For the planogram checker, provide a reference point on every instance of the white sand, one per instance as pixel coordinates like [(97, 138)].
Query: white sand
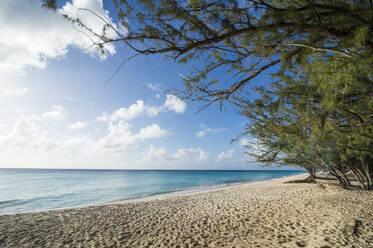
[(263, 214)]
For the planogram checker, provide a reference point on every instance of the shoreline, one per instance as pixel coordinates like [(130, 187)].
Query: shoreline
[(160, 196), (192, 191), (268, 213)]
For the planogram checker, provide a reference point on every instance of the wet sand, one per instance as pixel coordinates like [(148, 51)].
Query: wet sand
[(262, 214)]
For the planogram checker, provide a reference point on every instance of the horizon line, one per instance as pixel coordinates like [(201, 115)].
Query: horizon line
[(270, 169)]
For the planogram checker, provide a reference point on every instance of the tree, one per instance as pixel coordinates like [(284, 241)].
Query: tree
[(316, 113), (316, 117)]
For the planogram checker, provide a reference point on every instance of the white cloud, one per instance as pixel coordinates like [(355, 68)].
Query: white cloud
[(34, 34), (28, 133), (181, 155), (71, 99), (204, 130), (78, 9), (153, 110), (129, 113), (33, 134), (120, 139), (157, 96), (77, 125), (191, 153), (200, 134), (24, 132), (16, 92), (175, 103), (172, 103), (225, 155), (154, 153), (203, 155), (152, 131), (154, 87), (104, 117), (57, 113)]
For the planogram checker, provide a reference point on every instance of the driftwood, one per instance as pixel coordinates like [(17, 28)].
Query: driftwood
[(307, 180)]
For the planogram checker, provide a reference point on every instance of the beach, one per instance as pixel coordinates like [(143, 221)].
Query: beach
[(269, 213)]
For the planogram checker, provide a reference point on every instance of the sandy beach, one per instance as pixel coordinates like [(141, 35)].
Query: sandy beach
[(262, 214)]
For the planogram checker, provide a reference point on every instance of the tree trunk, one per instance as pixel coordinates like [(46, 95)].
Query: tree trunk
[(366, 172), (341, 181), (358, 176), (311, 171), (370, 181), (333, 172), (345, 178), (369, 175), (339, 168)]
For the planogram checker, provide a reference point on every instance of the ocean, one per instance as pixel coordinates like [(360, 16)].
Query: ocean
[(30, 190)]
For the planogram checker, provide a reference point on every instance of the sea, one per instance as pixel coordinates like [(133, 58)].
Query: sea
[(34, 190)]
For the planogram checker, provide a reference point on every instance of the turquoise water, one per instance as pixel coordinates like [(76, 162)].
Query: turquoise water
[(29, 190)]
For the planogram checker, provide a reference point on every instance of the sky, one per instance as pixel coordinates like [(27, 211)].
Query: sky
[(58, 111)]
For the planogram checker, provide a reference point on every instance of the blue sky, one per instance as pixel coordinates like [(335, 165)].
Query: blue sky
[(58, 112)]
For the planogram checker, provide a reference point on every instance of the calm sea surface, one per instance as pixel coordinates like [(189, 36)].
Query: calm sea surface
[(29, 190)]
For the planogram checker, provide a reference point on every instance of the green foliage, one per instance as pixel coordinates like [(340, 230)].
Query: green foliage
[(319, 117)]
